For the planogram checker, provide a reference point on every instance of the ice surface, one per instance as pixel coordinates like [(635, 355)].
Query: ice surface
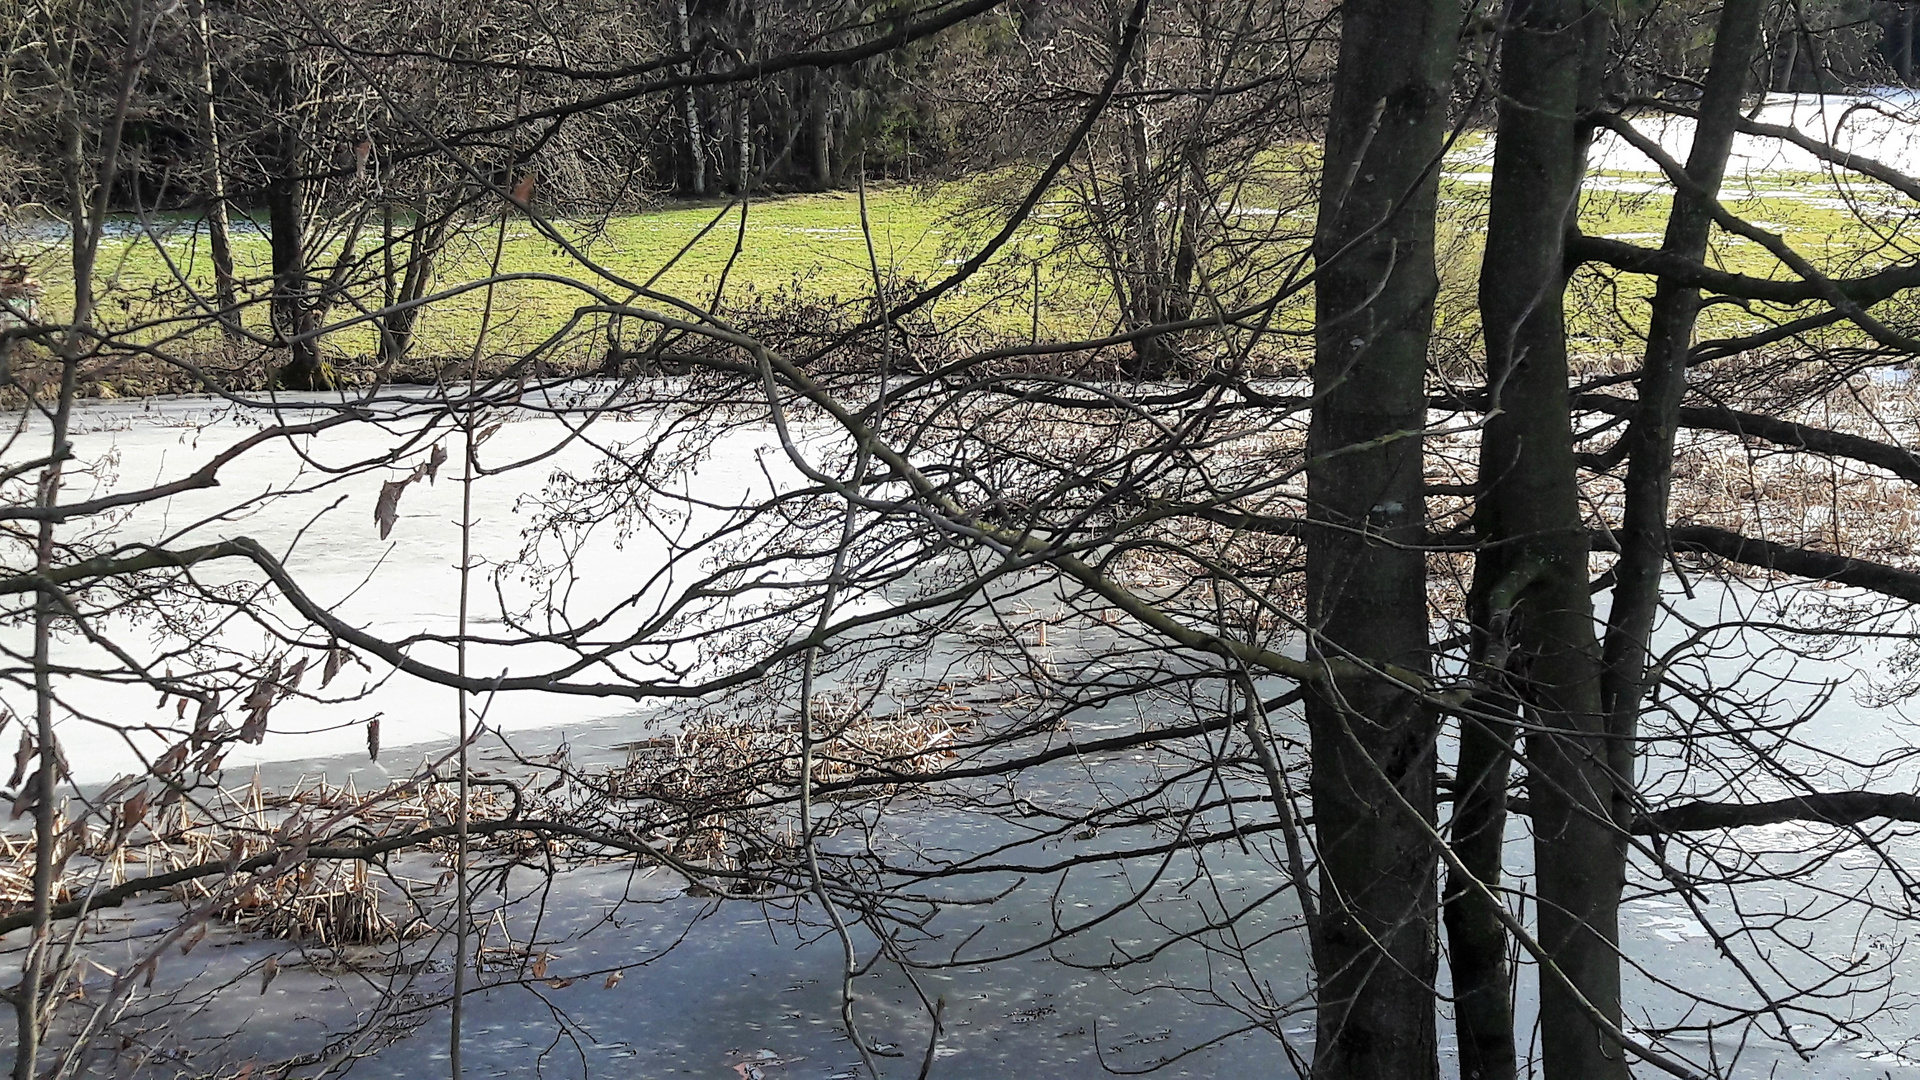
[(750, 990), (1879, 125)]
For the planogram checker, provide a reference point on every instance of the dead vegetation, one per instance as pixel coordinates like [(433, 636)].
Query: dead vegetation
[(680, 791)]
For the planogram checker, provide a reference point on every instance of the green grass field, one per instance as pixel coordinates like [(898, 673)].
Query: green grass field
[(813, 246)]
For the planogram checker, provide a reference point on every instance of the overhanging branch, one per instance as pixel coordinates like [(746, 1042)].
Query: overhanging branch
[(1800, 562)]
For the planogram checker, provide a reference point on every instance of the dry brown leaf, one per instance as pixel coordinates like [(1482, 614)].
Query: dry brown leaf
[(171, 761), (386, 510), (21, 757)]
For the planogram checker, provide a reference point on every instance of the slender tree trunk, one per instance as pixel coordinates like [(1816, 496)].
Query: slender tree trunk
[(1186, 252), (1899, 42), (1366, 575), (742, 143), (1477, 940), (696, 154), (424, 242), (1785, 70), (1144, 263), (1531, 579), (1907, 18), (87, 207), (219, 243), (821, 119), (1663, 382), (292, 308), (746, 27)]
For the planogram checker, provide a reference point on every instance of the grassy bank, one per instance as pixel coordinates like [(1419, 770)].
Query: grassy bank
[(813, 249)]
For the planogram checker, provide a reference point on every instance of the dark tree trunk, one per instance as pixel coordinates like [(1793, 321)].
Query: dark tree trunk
[(292, 308), (693, 149), (745, 27), (820, 118), (397, 327), (1530, 591), (1366, 575), (1663, 382), (1786, 60), (1186, 252), (219, 245), (1143, 262), (1897, 41), (1476, 938)]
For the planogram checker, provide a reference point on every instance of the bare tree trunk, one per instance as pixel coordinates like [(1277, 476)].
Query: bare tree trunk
[(1784, 70), (696, 154), (1905, 25), (293, 310), (821, 117), (219, 243), (1477, 940), (742, 142), (746, 26), (87, 206), (1899, 42), (1186, 252), (1366, 574), (1531, 582), (1663, 382), (424, 242), (1144, 263)]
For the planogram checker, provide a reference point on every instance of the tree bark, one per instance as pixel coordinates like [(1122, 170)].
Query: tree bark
[(397, 327), (219, 242), (821, 118), (292, 307), (745, 28), (1366, 575), (695, 154), (1530, 591), (1143, 264), (1663, 383)]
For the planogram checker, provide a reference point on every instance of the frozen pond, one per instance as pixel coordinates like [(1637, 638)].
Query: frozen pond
[(1108, 964)]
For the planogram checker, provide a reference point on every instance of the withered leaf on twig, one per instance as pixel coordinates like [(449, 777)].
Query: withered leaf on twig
[(259, 701), (171, 761), (20, 759), (29, 796), (386, 510)]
